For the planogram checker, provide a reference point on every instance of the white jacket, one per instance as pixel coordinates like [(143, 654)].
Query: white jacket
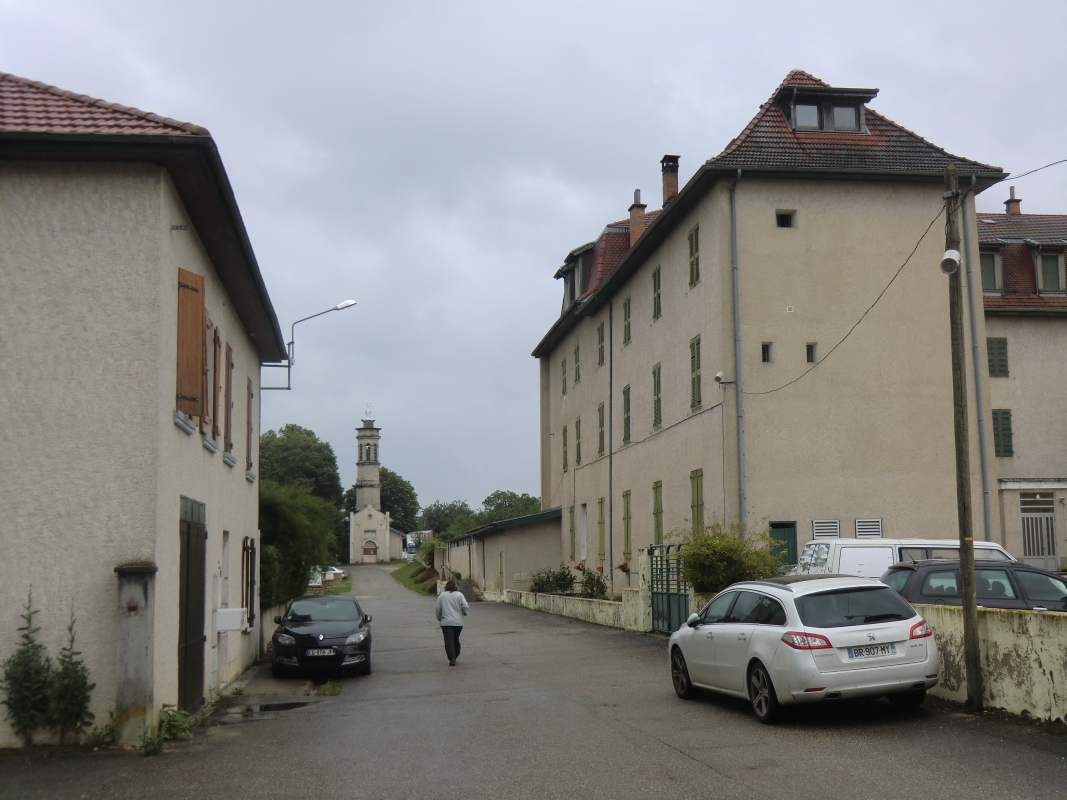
[(451, 608)]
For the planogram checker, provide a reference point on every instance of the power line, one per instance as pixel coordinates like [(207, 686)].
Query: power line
[(864, 315), (1031, 172)]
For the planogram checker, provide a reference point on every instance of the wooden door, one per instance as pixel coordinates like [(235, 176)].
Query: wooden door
[(192, 584)]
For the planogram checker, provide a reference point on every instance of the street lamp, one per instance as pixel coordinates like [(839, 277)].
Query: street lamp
[(291, 345)]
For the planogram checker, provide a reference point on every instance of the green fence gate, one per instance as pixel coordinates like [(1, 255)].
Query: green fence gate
[(670, 591)]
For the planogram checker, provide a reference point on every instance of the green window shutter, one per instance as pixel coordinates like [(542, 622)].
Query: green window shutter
[(656, 306), (600, 429), (626, 321), (578, 441), (1050, 274), (657, 512), (1002, 444), (570, 514), (694, 373), (696, 506), (564, 448), (600, 344), (600, 528), (563, 374), (657, 408), (577, 367), (989, 272), (626, 524), (997, 353), (694, 256), (625, 414)]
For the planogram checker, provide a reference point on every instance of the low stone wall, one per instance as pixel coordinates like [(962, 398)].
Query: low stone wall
[(1024, 658), (634, 615), (493, 597), (600, 612)]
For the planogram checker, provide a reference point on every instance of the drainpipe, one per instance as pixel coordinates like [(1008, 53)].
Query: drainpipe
[(977, 366), (611, 450), (738, 393)]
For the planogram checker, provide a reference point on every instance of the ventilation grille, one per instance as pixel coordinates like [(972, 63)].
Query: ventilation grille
[(826, 528), (1037, 503), (868, 529)]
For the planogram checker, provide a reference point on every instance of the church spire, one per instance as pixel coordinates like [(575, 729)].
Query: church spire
[(368, 475)]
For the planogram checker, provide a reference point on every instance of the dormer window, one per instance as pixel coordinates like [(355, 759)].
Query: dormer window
[(826, 108), (846, 118), (808, 116)]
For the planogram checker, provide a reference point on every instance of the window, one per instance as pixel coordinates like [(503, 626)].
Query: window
[(248, 579), (997, 352), (694, 256), (600, 528), (753, 608), (765, 355), (216, 366), (657, 308), (626, 322), (600, 430), (716, 610), (1050, 274), (1040, 587), (570, 516), (744, 610), (578, 441), (626, 553), (657, 512), (563, 374), (989, 272), (657, 409), (228, 417), (625, 414), (696, 504), (849, 607), (190, 398), (994, 583), (944, 583), (1002, 433), (600, 345), (577, 367), (250, 427), (694, 373), (846, 118), (564, 448), (785, 219), (812, 352), (807, 116)]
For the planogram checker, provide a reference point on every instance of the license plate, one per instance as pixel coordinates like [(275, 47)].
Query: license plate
[(326, 652), (872, 651)]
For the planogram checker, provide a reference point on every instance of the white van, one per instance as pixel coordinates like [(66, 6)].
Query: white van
[(869, 558)]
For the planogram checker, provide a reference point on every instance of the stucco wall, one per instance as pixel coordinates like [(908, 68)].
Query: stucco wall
[(601, 612), (526, 549)]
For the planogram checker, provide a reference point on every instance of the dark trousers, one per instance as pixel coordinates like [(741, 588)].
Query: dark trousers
[(452, 633)]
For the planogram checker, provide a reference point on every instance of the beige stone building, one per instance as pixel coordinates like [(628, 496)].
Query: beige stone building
[(372, 537), (134, 320), (771, 346)]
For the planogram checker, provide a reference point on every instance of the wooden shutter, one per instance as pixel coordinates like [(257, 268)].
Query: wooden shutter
[(251, 428), (1002, 444), (694, 256), (657, 406), (577, 367), (626, 524), (228, 431), (216, 363), (600, 429), (997, 353), (694, 372), (600, 528), (696, 490), (563, 374), (570, 514), (191, 346), (204, 385), (657, 512), (564, 448), (578, 441), (625, 414)]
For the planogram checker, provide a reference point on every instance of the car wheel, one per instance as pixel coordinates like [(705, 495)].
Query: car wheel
[(907, 700), (761, 692), (683, 687), (364, 668)]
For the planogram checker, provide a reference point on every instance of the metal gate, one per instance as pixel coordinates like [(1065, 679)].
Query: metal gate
[(670, 591), (1039, 530), (191, 596)]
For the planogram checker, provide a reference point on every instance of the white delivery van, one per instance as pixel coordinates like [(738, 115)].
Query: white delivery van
[(869, 558)]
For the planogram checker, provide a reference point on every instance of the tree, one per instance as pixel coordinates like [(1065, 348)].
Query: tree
[(297, 533), (295, 456), (503, 504), (450, 520), (440, 517), (719, 556), (398, 499)]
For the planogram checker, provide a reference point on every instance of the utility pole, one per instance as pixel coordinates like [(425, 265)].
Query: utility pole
[(971, 647)]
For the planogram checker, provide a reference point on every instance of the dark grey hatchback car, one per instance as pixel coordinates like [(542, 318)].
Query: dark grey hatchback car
[(321, 634), (1003, 585)]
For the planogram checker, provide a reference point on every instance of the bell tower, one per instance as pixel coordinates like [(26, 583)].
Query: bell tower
[(368, 482)]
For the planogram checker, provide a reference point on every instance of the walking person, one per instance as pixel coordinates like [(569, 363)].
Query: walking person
[(451, 609)]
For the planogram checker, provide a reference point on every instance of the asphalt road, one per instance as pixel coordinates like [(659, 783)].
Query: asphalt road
[(544, 707)]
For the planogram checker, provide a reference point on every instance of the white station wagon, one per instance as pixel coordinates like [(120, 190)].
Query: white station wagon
[(803, 639)]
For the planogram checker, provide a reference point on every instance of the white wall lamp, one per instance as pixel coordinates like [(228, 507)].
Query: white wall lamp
[(291, 346)]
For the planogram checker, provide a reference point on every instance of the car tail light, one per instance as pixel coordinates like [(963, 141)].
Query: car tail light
[(806, 641), (920, 630), (905, 598)]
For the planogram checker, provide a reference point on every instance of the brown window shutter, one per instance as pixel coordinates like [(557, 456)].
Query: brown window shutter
[(216, 366), (190, 389), (251, 428), (204, 389), (228, 418)]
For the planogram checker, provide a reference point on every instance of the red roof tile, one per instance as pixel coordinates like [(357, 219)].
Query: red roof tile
[(1020, 284), (35, 107), (1041, 228)]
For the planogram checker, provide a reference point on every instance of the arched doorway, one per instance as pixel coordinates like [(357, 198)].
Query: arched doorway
[(370, 552)]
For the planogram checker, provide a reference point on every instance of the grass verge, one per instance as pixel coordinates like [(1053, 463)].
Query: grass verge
[(342, 586), (405, 573)]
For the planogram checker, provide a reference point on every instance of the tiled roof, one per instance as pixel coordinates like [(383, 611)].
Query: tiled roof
[(767, 141), (609, 249), (35, 107), (1041, 228), (1020, 283)]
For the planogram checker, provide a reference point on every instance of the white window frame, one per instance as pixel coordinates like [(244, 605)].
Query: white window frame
[(826, 529), (1040, 276), (869, 528), (998, 273)]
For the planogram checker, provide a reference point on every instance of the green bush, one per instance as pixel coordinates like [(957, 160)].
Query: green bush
[(300, 528), (593, 585), (718, 557), (548, 580), (27, 674), (70, 690)]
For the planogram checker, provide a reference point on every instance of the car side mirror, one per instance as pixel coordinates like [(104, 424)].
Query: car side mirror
[(366, 618), (277, 620), (693, 621)]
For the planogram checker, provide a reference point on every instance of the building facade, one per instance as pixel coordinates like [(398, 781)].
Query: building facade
[(135, 321), (372, 537), (771, 347)]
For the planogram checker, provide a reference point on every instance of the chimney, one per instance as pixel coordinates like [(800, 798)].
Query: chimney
[(1012, 205), (637, 218), (670, 178)]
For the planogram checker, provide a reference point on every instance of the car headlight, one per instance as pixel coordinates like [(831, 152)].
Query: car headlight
[(356, 638), (285, 638)]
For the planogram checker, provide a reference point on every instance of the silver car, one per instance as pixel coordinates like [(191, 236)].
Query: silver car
[(803, 639)]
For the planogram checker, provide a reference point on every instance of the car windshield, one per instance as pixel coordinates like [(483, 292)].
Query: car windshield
[(845, 607), (813, 557), (896, 578), (341, 609)]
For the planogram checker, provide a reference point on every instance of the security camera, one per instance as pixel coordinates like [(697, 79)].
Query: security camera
[(950, 262), (718, 377)]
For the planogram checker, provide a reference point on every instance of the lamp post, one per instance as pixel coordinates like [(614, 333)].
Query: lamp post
[(291, 346)]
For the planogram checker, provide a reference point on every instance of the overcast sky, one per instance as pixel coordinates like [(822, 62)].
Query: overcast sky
[(436, 161)]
